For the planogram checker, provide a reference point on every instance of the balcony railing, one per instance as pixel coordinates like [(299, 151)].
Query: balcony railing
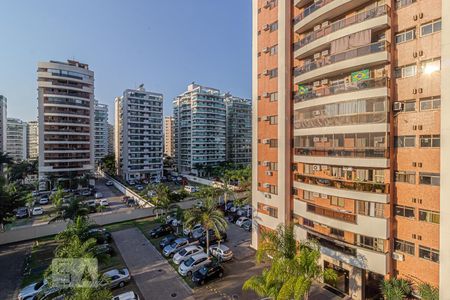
[(310, 9), (342, 56), (330, 213), (342, 152), (324, 91), (338, 25), (359, 186), (331, 121), (404, 3)]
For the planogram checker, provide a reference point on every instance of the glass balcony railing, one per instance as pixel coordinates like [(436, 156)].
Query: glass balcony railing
[(324, 91), (344, 120), (342, 56), (342, 152), (310, 9), (338, 25)]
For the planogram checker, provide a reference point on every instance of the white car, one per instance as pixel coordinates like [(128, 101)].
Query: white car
[(103, 202), (187, 231), (126, 296), (241, 221), (32, 290), (37, 211), (193, 264), (98, 195), (190, 189), (116, 278), (85, 193), (222, 252), (43, 200), (186, 253)]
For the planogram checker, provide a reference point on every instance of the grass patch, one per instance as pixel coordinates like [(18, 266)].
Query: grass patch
[(39, 260)]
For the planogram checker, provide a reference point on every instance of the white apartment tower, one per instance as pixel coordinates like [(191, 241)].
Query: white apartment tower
[(168, 136), (110, 139), (32, 140), (139, 134), (3, 106), (16, 139), (101, 131), (66, 117)]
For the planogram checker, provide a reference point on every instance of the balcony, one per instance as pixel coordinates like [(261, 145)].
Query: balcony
[(310, 9), (330, 213), (374, 19), (343, 62), (343, 152)]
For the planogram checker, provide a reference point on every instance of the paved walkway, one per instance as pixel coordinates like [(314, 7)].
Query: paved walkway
[(153, 275)]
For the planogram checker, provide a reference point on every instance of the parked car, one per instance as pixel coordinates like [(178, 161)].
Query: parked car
[(161, 230), (139, 187), (116, 278), (85, 193), (213, 239), (37, 211), (172, 220), (222, 252), (188, 231), (91, 204), (232, 217), (102, 236), (35, 193), (151, 193), (186, 253), (167, 240), (103, 249), (44, 200), (22, 212), (247, 225), (190, 189), (177, 245), (206, 273), (98, 195), (103, 202), (244, 211), (188, 267), (31, 290), (109, 183), (131, 182), (51, 293), (198, 233), (126, 296), (130, 202), (241, 220)]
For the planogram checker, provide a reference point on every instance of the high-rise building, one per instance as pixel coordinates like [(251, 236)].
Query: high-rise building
[(16, 139), (353, 158), (239, 130), (3, 118), (199, 116), (101, 131), (168, 136), (110, 139), (139, 134), (32, 140), (66, 119)]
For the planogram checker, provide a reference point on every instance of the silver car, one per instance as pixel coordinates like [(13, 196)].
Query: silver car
[(186, 253), (116, 278), (31, 290), (194, 263), (222, 252)]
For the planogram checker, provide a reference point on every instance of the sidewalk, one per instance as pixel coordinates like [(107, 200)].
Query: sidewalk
[(153, 275)]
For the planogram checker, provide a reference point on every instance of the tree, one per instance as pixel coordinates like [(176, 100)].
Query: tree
[(428, 292), (262, 285), (57, 198), (162, 201), (91, 293), (74, 247), (77, 228), (108, 164), (278, 243), (4, 159), (209, 217), (395, 289)]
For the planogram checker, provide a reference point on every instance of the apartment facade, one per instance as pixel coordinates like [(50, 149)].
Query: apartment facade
[(353, 159), (110, 139), (200, 120), (168, 136), (16, 139), (139, 134), (3, 119), (238, 130), (32, 140), (66, 119), (101, 131)]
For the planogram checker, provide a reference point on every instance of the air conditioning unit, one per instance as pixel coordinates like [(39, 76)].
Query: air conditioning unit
[(266, 50), (267, 4), (268, 196), (325, 53), (317, 27), (265, 72), (266, 141), (398, 106), (398, 256), (316, 167), (266, 94), (266, 163), (266, 185), (316, 113), (317, 55), (316, 83), (266, 27), (324, 81), (265, 118), (269, 173)]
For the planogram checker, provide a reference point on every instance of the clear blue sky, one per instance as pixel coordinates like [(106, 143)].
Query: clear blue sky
[(165, 44)]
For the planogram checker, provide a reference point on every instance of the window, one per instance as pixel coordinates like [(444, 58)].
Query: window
[(430, 65), (430, 27), (409, 106), (429, 179), (406, 141), (430, 103), (337, 232), (273, 189), (370, 243), (429, 216), (428, 253), (403, 3), (273, 166), (404, 246), (429, 141), (404, 211), (405, 176), (406, 71), (273, 26), (273, 97), (273, 50), (405, 36), (273, 120), (268, 210), (336, 201), (273, 73), (273, 143), (371, 209), (308, 223)]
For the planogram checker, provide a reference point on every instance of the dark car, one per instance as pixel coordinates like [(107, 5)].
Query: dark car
[(161, 230), (103, 249), (102, 236), (22, 212), (247, 225), (233, 217), (131, 202), (213, 239), (206, 273), (167, 240)]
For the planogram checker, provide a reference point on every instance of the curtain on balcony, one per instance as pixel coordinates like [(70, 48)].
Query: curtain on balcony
[(354, 40)]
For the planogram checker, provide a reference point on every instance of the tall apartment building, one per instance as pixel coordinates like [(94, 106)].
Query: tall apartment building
[(238, 130), (199, 116), (139, 134), (66, 119), (3, 118), (16, 139), (101, 131), (168, 136), (354, 157), (32, 140), (110, 139)]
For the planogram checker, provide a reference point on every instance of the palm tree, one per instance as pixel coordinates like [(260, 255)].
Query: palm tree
[(4, 159), (428, 292), (262, 285), (91, 293), (76, 248), (209, 217), (278, 243), (77, 228), (395, 289)]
